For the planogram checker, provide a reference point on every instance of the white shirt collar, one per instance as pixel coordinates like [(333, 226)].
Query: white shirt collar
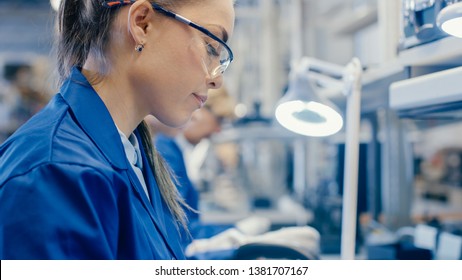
[(132, 148)]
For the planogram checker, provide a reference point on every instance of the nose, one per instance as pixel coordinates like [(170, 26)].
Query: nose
[(216, 82)]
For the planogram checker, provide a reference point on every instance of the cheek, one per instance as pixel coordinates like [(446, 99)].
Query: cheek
[(180, 55), (167, 76), (172, 101), (180, 66)]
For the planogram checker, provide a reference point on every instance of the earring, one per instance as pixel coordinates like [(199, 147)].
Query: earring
[(139, 47)]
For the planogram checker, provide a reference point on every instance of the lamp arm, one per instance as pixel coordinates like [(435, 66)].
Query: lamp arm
[(352, 79), (327, 81), (310, 64), (328, 74), (352, 76)]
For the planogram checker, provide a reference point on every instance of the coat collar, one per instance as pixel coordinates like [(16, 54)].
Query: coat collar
[(94, 118)]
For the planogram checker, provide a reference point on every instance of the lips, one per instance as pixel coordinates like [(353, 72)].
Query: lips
[(200, 98)]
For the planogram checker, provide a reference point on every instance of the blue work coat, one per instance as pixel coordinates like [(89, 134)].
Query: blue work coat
[(67, 190), (173, 155)]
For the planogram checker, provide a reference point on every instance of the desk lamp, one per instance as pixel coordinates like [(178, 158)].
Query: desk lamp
[(303, 111)]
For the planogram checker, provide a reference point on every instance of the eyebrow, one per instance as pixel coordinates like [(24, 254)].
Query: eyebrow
[(224, 33)]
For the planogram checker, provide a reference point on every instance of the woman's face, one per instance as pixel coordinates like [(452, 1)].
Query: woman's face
[(170, 79)]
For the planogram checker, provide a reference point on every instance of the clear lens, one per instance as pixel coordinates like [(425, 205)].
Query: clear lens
[(215, 56)]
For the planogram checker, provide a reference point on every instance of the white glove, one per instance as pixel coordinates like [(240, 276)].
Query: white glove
[(303, 238), (253, 225), (228, 239)]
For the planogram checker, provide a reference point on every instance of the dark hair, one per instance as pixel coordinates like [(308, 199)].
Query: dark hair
[(82, 25), (84, 28)]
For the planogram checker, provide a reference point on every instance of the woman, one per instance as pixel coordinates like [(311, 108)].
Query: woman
[(80, 180)]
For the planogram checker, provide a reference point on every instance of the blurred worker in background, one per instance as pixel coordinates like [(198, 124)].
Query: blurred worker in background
[(22, 95)]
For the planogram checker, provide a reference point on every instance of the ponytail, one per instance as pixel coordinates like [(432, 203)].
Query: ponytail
[(83, 27), (72, 49), (163, 176)]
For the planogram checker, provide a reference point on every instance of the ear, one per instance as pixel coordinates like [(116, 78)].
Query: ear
[(139, 18)]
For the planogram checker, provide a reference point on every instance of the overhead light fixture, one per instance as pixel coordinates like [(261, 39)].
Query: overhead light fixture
[(305, 112), (450, 19)]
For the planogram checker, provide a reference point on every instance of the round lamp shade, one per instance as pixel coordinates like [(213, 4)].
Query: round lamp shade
[(309, 118), (303, 111)]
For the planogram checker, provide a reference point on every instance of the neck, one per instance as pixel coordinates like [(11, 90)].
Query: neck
[(117, 96)]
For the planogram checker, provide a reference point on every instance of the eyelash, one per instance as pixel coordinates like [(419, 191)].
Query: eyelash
[(211, 50)]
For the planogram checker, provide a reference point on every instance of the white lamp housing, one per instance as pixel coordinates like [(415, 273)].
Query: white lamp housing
[(302, 111), (450, 19)]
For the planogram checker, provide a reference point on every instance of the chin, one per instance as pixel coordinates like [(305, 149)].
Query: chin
[(177, 123)]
